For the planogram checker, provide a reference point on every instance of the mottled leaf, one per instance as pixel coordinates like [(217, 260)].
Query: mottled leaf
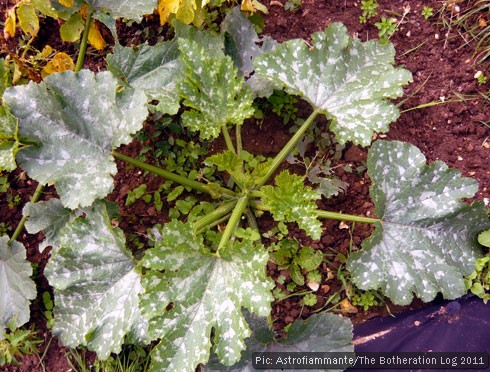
[(130, 9), (9, 141), (152, 69), (206, 292), (426, 240), (212, 90), (77, 119), (323, 333), (344, 78), (16, 287), (291, 201), (245, 48), (95, 285), (211, 41), (49, 217)]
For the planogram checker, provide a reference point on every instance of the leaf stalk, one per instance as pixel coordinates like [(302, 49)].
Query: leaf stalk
[(240, 207), (35, 198), (84, 42), (282, 155), (196, 185)]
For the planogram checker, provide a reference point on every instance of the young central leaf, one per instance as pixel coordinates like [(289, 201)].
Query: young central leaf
[(212, 90), (291, 201), (95, 284), (205, 292), (426, 240), (16, 286), (153, 69), (77, 120), (344, 78)]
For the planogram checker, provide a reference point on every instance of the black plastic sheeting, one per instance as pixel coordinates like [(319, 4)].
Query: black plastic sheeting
[(462, 325)]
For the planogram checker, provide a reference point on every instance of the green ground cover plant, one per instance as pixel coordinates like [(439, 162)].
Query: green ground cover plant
[(201, 293)]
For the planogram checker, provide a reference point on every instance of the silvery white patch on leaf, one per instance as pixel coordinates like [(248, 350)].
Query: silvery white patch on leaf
[(16, 287), (207, 292), (152, 69), (95, 285), (77, 119), (425, 242), (344, 78)]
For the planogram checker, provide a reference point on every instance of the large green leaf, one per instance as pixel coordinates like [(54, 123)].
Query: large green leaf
[(344, 78), (9, 141), (291, 201), (16, 286), (205, 291), (49, 217), (95, 285), (321, 333), (212, 90), (152, 69), (243, 47), (426, 240), (77, 119), (131, 9)]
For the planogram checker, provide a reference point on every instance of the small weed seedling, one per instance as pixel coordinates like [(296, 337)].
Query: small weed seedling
[(427, 12), (386, 27), (369, 11)]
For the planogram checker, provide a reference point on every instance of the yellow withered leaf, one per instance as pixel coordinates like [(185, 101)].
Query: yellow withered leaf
[(186, 10), (165, 8), (28, 20), (10, 24), (95, 38), (67, 3), (60, 62)]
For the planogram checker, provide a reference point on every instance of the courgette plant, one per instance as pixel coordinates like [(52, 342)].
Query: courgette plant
[(189, 292)]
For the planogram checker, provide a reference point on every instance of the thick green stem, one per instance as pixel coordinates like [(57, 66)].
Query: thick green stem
[(282, 155), (219, 212), (228, 141), (196, 185), (346, 217), (83, 44), (329, 215), (20, 226), (233, 221), (238, 135)]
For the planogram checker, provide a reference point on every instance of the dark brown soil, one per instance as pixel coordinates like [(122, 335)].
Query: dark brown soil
[(443, 67)]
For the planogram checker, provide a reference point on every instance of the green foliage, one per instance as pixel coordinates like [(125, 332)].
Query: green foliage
[(368, 8), (16, 343), (365, 299), (478, 282), (343, 78), (425, 240), (291, 201), (427, 12), (212, 91), (205, 291), (283, 105), (75, 154), (321, 333), (386, 27), (17, 288), (292, 5), (4, 183), (95, 285), (196, 290), (287, 254)]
